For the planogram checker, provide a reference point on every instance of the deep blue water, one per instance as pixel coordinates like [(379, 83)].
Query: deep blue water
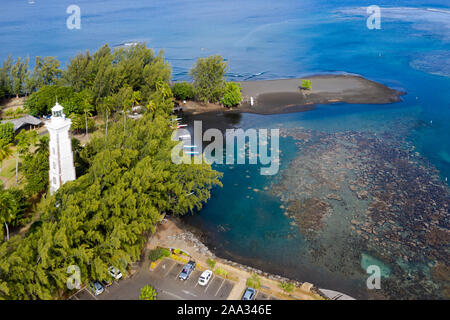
[(264, 39)]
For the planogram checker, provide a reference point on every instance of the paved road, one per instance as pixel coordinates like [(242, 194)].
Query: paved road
[(165, 280)]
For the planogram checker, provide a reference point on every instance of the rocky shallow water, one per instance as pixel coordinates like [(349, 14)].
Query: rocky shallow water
[(364, 198)]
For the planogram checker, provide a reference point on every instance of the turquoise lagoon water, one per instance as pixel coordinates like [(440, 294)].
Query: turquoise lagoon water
[(263, 39)]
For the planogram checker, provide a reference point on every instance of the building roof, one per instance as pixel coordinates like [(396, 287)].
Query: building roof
[(20, 122), (57, 107)]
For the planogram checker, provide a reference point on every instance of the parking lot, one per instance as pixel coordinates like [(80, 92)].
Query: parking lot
[(216, 289), (165, 280), (264, 296)]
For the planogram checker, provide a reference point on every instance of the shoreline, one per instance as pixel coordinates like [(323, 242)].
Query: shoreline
[(274, 274), (175, 233), (285, 95)]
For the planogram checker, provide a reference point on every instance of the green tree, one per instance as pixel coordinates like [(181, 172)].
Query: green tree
[(8, 210), (24, 140), (18, 73), (5, 152), (254, 281), (161, 100), (78, 123), (79, 73), (135, 98), (6, 86), (35, 168), (88, 108), (232, 94), (148, 293), (124, 99), (209, 78), (6, 132), (183, 91), (106, 106), (41, 102), (211, 263), (46, 71)]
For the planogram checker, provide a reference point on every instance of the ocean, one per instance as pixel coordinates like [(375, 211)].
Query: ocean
[(265, 39)]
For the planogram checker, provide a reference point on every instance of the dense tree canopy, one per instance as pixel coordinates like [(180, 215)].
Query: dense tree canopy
[(105, 72), (102, 218), (35, 168), (6, 132), (41, 102), (183, 91), (125, 182), (209, 78)]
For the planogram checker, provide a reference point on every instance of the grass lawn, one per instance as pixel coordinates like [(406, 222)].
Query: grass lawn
[(8, 172)]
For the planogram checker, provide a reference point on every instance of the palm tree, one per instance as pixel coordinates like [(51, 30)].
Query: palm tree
[(126, 106), (107, 104), (43, 145), (135, 97), (87, 109), (77, 122), (5, 152), (164, 88), (8, 210), (151, 107)]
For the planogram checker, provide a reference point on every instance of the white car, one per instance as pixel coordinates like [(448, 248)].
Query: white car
[(115, 273), (205, 277)]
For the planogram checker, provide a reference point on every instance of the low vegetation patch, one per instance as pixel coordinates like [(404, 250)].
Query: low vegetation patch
[(254, 281), (148, 293), (211, 263), (232, 94), (287, 287), (158, 253), (221, 272), (306, 84)]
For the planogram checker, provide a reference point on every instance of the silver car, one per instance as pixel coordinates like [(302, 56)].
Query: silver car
[(249, 294), (187, 270), (96, 288)]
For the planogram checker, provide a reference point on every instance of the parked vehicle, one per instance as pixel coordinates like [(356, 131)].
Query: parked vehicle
[(106, 283), (205, 277), (96, 287), (115, 273), (177, 108), (249, 294), (187, 270)]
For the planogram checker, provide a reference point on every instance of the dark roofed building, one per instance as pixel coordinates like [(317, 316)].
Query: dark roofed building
[(26, 122)]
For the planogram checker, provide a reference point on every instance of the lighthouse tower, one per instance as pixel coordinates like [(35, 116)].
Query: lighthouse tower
[(61, 157)]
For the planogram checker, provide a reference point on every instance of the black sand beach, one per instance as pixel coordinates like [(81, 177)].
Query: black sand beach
[(286, 95)]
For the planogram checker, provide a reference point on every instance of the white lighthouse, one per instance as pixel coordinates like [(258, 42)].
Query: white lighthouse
[(61, 157)]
